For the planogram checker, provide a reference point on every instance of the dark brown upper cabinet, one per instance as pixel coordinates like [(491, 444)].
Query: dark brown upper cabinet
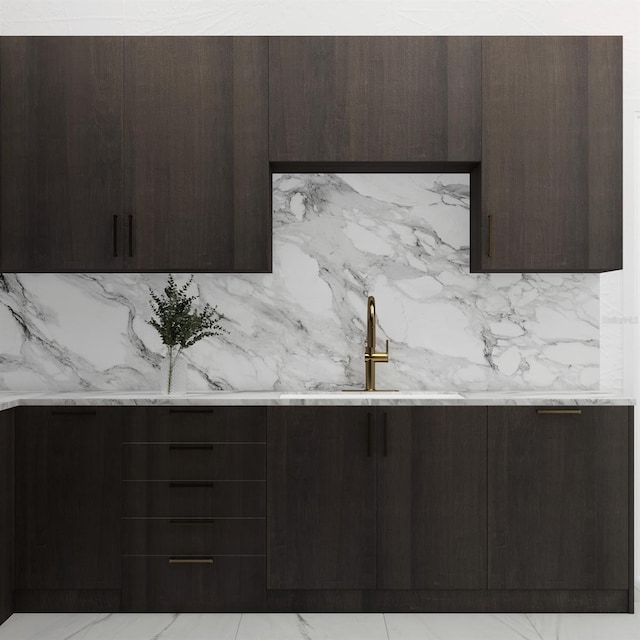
[(197, 188), (558, 496), (381, 99), (548, 194), (60, 153), (134, 154), (432, 498)]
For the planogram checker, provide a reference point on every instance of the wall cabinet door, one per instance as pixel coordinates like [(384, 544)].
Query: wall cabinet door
[(68, 485), (559, 498), (321, 499), (384, 99), (432, 487), (61, 154), (7, 514), (197, 182), (550, 182)]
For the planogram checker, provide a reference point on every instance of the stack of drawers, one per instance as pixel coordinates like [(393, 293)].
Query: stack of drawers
[(194, 510)]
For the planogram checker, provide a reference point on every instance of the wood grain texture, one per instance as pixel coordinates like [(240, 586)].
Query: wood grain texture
[(551, 154), (231, 583), (60, 153), (432, 498), (199, 424), (558, 499), (68, 601), (7, 513), (193, 536), (197, 178), (368, 98), (448, 601), (321, 503), (68, 484)]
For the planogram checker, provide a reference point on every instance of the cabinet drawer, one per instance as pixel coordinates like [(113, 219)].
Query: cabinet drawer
[(193, 536), (194, 461), (214, 583), (206, 499), (200, 424)]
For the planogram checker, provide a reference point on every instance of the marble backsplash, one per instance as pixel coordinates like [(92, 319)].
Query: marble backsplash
[(336, 239)]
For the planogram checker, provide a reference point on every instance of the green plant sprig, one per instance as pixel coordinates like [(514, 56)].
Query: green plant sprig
[(177, 323)]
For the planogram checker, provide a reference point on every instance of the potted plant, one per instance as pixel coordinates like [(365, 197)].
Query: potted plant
[(180, 326)]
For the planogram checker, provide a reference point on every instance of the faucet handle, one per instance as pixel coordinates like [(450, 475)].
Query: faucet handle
[(387, 347)]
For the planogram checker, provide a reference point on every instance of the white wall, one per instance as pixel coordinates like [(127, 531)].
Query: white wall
[(425, 17)]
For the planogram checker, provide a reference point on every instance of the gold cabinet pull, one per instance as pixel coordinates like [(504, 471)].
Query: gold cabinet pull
[(489, 236), (190, 560), (574, 412)]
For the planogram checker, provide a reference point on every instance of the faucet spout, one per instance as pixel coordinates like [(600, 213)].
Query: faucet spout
[(371, 357)]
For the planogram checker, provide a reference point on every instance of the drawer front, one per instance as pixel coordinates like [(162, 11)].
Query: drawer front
[(193, 499), (193, 536), (196, 460), (155, 584), (200, 424)]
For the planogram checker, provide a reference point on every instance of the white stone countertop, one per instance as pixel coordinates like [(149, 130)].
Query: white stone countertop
[(326, 398)]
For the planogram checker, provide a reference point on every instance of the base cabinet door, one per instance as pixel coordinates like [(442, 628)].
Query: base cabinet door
[(321, 499), (432, 488), (68, 485), (7, 514), (559, 498)]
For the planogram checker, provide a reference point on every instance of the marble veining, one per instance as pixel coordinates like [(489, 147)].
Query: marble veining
[(336, 239)]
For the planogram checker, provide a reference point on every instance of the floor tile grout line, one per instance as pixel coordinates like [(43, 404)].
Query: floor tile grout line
[(238, 627), (386, 628)]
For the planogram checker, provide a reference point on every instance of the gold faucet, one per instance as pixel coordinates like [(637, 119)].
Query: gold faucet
[(370, 355)]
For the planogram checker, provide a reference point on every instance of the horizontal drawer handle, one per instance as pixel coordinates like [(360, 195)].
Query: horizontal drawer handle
[(190, 560), (190, 521), (189, 410), (191, 447), (574, 412), (188, 484)]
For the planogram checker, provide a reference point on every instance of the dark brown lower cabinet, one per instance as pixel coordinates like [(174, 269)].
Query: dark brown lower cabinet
[(321, 501), (68, 483), (7, 513), (432, 498), (559, 498)]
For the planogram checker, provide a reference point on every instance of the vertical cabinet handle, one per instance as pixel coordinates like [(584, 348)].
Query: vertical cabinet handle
[(115, 236), (489, 236), (385, 447), (369, 435), (131, 236)]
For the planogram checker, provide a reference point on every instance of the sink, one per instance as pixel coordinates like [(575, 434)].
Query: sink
[(368, 395)]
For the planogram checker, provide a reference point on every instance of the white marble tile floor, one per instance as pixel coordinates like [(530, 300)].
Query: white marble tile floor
[(323, 626)]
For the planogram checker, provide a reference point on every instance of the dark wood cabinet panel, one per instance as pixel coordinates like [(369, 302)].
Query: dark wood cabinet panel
[(321, 503), (68, 484), (432, 488), (61, 154), (7, 513), (381, 99), (558, 495), (213, 583), (197, 183), (548, 195)]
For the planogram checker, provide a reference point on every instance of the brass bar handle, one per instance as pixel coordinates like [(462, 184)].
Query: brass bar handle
[(369, 435), (385, 445), (489, 236), (190, 447), (191, 521), (190, 560), (131, 236), (115, 236), (573, 412), (188, 484)]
